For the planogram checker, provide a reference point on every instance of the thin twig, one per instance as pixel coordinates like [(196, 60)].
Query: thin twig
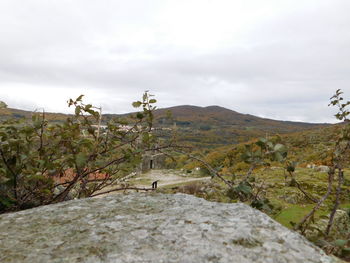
[(319, 203), (123, 189), (228, 183), (337, 201)]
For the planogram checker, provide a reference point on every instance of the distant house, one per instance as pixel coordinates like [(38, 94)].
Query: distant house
[(152, 161)]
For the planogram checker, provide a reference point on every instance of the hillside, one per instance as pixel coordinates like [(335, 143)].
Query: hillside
[(215, 116), (314, 146), (205, 127), (216, 126), (23, 114)]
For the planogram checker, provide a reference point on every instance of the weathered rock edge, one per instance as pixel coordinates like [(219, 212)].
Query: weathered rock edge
[(150, 228)]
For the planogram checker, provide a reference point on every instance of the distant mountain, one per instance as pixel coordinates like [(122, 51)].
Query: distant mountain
[(215, 126), (216, 116), (211, 126)]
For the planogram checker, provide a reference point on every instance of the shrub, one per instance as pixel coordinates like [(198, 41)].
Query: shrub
[(43, 163)]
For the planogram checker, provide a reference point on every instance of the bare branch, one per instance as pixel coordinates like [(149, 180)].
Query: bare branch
[(123, 189), (306, 220), (208, 166), (337, 200)]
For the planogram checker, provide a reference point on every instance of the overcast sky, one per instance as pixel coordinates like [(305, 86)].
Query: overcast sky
[(279, 59)]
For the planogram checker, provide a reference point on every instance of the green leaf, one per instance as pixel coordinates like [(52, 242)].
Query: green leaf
[(345, 251), (280, 148), (260, 144), (80, 159), (3, 105), (77, 110), (145, 137), (246, 156), (270, 145), (139, 115), (80, 98), (340, 243), (152, 101), (7, 202), (244, 188), (88, 107), (263, 140), (290, 168), (258, 153), (277, 156), (136, 104), (91, 130), (70, 102)]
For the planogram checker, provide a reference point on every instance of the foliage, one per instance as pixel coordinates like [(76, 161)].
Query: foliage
[(339, 247), (258, 154), (339, 160), (332, 149), (244, 188), (3, 105), (208, 127), (43, 163)]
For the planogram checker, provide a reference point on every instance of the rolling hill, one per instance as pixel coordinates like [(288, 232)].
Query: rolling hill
[(204, 127), (216, 116), (214, 126), (9, 113)]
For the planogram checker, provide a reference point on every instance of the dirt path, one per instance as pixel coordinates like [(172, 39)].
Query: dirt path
[(164, 178)]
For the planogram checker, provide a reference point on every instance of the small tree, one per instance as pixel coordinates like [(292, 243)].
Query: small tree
[(339, 160), (43, 163), (243, 188)]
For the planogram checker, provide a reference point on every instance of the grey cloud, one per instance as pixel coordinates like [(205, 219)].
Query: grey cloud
[(285, 67)]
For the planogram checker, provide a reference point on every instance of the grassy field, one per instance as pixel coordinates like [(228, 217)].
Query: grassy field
[(288, 202)]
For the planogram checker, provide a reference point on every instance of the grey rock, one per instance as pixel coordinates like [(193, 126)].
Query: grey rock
[(294, 196), (73, 193), (150, 228), (322, 168), (311, 166)]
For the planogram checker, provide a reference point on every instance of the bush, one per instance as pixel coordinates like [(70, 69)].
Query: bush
[(43, 163)]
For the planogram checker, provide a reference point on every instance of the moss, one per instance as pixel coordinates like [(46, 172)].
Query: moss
[(247, 242), (140, 181), (345, 205), (275, 190), (295, 213)]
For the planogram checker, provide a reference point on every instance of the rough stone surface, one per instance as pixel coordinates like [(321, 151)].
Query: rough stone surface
[(293, 196), (322, 168), (150, 228)]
